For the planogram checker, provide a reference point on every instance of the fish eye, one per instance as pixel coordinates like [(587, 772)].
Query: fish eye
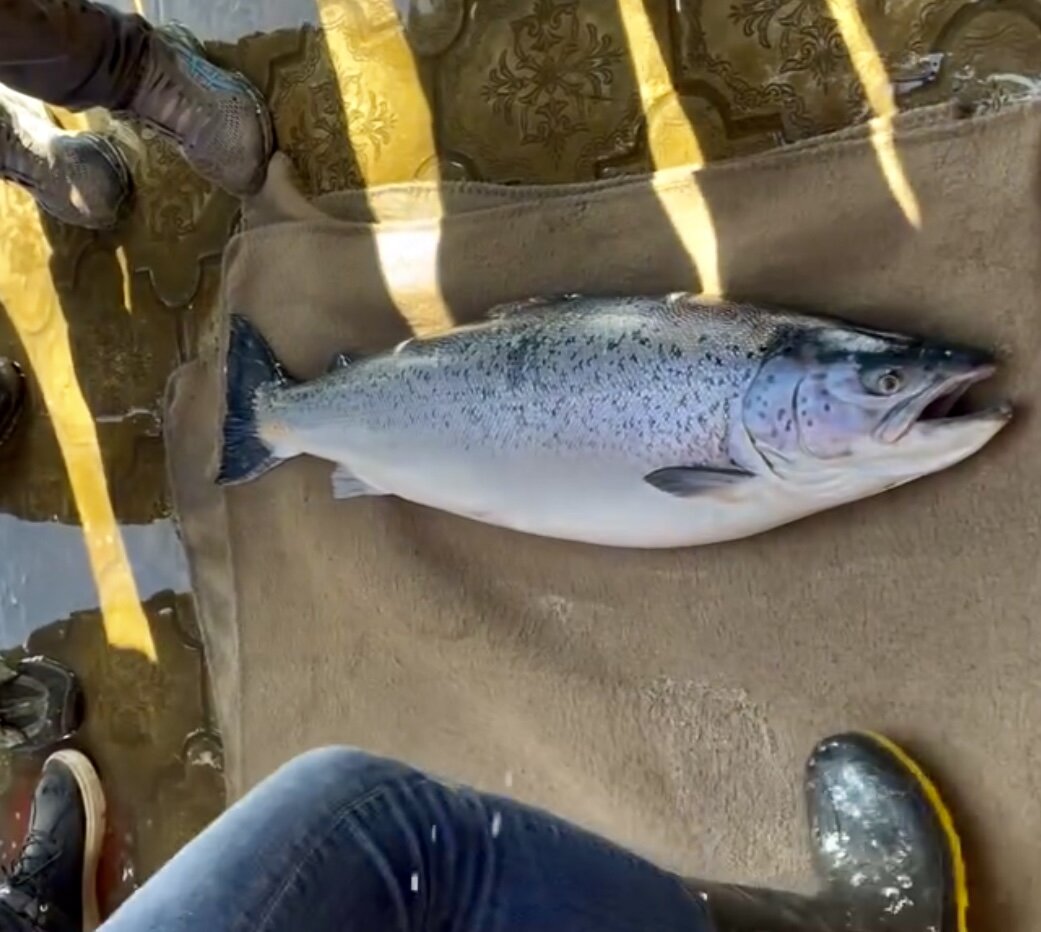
[(886, 382)]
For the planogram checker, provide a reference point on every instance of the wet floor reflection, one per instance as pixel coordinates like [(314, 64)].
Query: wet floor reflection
[(148, 727), (46, 575)]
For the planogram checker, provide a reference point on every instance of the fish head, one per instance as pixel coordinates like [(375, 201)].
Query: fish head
[(858, 408)]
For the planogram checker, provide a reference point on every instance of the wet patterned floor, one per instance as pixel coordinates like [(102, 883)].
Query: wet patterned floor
[(500, 90)]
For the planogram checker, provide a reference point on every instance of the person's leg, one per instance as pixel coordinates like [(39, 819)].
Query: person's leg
[(78, 54), (340, 841), (72, 53)]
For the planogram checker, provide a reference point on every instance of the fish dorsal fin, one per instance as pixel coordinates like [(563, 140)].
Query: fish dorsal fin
[(511, 308), (691, 481), (341, 361)]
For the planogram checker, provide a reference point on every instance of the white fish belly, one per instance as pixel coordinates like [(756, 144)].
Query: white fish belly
[(574, 498)]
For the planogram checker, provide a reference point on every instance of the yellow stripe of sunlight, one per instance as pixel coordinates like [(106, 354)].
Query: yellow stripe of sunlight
[(867, 62), (28, 293), (387, 73), (672, 141)]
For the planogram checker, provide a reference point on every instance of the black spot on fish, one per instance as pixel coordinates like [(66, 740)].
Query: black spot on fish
[(827, 407)]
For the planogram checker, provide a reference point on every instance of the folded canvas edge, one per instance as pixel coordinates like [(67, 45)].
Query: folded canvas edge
[(344, 207), (212, 594)]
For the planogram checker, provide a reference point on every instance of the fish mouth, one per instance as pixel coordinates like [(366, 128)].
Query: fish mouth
[(944, 405)]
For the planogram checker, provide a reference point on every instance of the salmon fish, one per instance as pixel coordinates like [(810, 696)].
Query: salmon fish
[(646, 422)]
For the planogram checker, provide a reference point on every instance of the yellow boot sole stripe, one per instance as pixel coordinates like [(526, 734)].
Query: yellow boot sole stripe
[(943, 814)]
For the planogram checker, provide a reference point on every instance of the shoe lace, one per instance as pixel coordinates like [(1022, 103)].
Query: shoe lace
[(38, 853), (17, 147), (172, 106)]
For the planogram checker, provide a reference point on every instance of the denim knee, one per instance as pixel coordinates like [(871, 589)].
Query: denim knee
[(349, 772)]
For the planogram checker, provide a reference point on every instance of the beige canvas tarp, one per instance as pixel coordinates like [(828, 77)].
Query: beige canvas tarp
[(666, 699)]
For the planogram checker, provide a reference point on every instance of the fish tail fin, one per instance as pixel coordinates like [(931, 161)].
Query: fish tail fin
[(251, 365)]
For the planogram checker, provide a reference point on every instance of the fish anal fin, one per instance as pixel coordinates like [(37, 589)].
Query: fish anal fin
[(348, 485)]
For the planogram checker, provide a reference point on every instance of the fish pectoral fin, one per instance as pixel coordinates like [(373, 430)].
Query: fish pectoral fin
[(348, 485), (690, 481)]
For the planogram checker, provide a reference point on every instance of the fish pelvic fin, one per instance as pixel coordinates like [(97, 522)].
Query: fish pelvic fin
[(251, 365)]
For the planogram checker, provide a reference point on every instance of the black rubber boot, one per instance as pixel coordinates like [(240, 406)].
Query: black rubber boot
[(40, 704), (52, 885), (884, 848), (12, 398), (884, 843)]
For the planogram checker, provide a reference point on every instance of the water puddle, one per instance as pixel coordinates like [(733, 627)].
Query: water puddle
[(45, 575)]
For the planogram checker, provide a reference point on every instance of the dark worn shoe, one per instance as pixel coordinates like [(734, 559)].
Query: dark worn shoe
[(883, 841), (40, 704), (218, 118), (12, 398), (52, 885), (78, 178)]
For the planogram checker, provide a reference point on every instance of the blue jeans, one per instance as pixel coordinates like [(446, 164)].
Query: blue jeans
[(341, 841)]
